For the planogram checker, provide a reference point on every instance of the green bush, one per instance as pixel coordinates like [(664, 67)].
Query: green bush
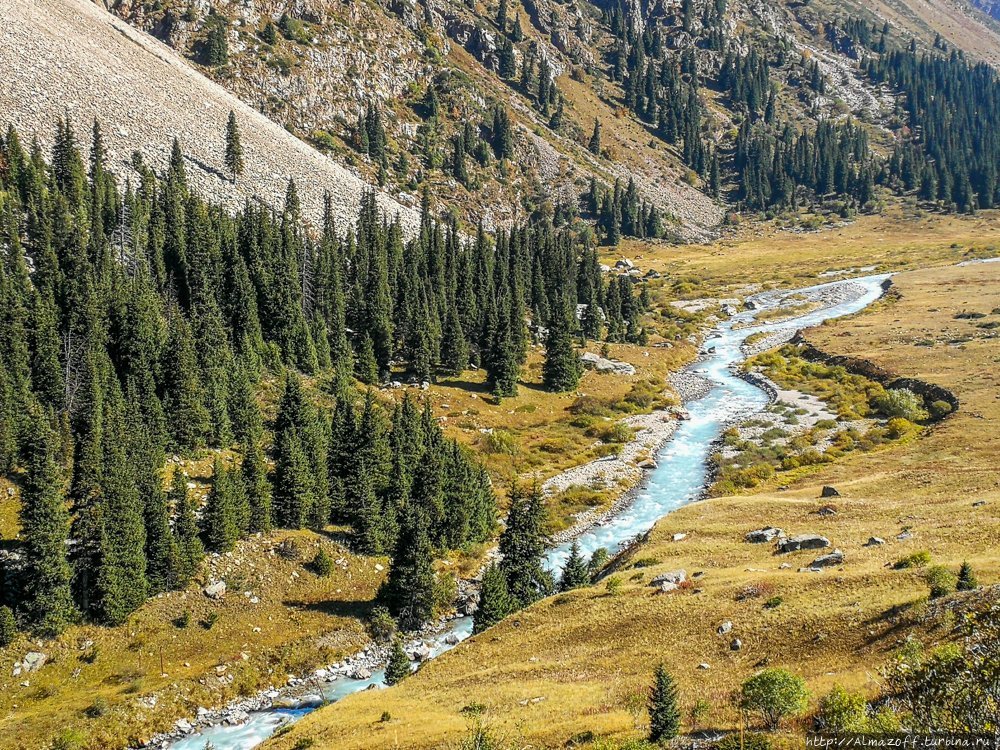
[(915, 560), (940, 409), (613, 585), (774, 694), (381, 625), (97, 709), (501, 442), (322, 564), (843, 711), (941, 581), (900, 402)]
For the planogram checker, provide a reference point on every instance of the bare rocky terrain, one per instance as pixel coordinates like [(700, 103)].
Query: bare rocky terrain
[(97, 66)]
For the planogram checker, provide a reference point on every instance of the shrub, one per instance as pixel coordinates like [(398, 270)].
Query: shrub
[(749, 741), (842, 711), (501, 442), (774, 602), (290, 549), (322, 564), (210, 619), (381, 625), (698, 713), (304, 743), (940, 409), (598, 559), (774, 694), (613, 585), (8, 628), (914, 560), (97, 709), (68, 739), (900, 402), (619, 432), (445, 592), (385, 717), (182, 620), (941, 581)]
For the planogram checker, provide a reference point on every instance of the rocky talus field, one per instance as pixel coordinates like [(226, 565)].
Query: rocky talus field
[(97, 66)]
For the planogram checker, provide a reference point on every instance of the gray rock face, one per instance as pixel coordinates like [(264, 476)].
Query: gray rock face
[(216, 590), (804, 541), (875, 541), (826, 561), (761, 536)]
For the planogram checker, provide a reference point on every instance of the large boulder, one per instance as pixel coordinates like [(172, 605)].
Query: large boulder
[(767, 534), (803, 541), (216, 590), (829, 491), (827, 561), (675, 577)]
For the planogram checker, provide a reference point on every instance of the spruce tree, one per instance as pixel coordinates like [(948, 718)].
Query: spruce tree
[(408, 592), (398, 667), (664, 714), (522, 545), (575, 572), (257, 489), (967, 580), (8, 626), (594, 146), (562, 369), (48, 606), (502, 16), (219, 529), (495, 601), (234, 147), (189, 546), (292, 483), (121, 578)]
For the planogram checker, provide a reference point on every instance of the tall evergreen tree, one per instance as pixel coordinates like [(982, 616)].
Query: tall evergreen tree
[(234, 147), (664, 714), (562, 368), (522, 545), (219, 526), (398, 667), (495, 601), (48, 604), (575, 572), (189, 546), (409, 590)]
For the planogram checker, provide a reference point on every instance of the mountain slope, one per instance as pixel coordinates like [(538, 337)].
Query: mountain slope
[(71, 57)]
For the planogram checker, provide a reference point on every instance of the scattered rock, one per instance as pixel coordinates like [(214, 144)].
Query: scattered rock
[(979, 503), (874, 541), (679, 537), (804, 541), (216, 590), (825, 561), (829, 491), (704, 665), (675, 577), (767, 534), (420, 652), (33, 661), (724, 628), (735, 645), (904, 536)]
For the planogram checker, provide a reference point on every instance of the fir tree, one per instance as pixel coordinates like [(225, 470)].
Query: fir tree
[(495, 601), (562, 368), (502, 16), (409, 590), (121, 578), (257, 489), (594, 145), (8, 626), (398, 667), (967, 580), (234, 147), (575, 572), (48, 606), (189, 546), (664, 714), (219, 529), (522, 545)]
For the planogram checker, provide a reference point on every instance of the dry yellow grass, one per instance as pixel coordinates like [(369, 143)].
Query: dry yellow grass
[(299, 622), (900, 240), (587, 654)]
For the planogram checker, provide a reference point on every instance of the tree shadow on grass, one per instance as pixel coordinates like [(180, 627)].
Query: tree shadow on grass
[(354, 609)]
